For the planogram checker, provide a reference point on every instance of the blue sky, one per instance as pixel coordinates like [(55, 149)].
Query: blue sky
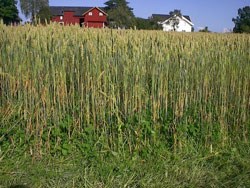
[(216, 14)]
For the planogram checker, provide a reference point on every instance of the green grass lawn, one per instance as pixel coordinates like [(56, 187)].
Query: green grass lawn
[(228, 167)]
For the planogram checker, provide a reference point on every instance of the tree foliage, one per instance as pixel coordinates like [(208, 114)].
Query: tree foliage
[(44, 15), (174, 20), (148, 24), (142, 23), (120, 14), (9, 11), (30, 8), (176, 12), (242, 21), (205, 30)]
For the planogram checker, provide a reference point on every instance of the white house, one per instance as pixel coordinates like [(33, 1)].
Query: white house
[(174, 23)]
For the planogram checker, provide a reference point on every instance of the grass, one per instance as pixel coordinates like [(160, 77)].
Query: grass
[(225, 168)]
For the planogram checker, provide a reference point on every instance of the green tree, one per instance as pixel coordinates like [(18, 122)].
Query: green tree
[(120, 14), (30, 8), (148, 24), (155, 22), (175, 13), (173, 20), (8, 11), (142, 23), (44, 15), (205, 30), (242, 21)]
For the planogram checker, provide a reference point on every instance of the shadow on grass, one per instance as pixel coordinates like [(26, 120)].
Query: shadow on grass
[(18, 186)]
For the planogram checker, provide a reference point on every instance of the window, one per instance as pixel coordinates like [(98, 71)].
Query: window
[(100, 14), (90, 13), (61, 17)]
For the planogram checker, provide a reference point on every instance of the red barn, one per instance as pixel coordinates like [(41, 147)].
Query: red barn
[(83, 16)]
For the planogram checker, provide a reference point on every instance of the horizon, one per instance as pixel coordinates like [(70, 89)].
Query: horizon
[(202, 14)]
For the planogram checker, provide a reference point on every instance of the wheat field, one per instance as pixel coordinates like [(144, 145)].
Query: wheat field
[(122, 88)]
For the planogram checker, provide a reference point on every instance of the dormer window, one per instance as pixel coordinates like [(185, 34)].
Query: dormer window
[(100, 14), (90, 13)]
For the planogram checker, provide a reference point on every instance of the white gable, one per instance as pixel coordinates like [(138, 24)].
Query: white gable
[(184, 24)]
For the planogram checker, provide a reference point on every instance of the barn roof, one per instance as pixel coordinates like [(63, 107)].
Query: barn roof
[(58, 10), (95, 8), (163, 17)]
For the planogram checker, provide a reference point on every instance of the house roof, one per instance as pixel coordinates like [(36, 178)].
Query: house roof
[(163, 17), (79, 11)]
